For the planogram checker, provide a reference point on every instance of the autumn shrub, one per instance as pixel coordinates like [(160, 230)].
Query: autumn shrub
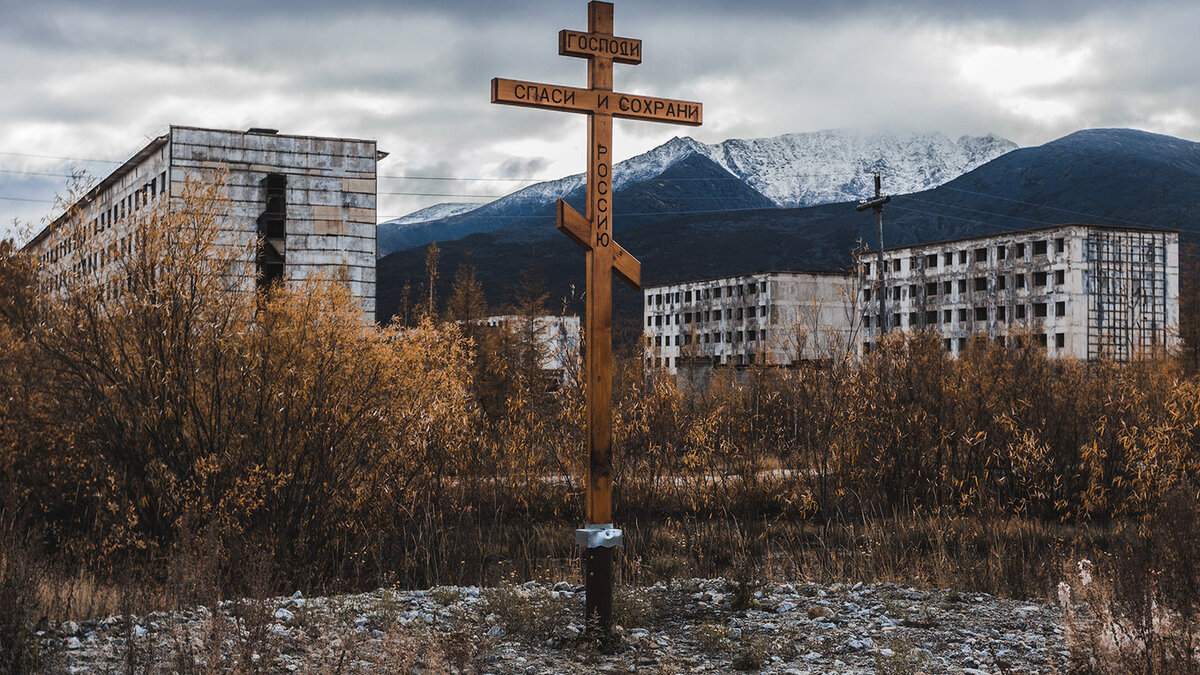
[(160, 412), (1136, 608)]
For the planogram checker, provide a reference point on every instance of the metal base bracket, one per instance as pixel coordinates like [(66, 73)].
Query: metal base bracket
[(599, 536)]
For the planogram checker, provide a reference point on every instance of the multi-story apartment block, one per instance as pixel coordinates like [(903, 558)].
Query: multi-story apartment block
[(1086, 291), (775, 318), (310, 201), (558, 338)]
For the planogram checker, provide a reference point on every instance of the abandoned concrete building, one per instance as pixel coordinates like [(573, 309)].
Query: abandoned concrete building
[(769, 318), (1085, 291), (557, 339), (310, 201)]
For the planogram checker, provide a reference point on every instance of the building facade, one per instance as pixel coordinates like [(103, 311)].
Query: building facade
[(310, 201), (1085, 291), (557, 338), (774, 318)]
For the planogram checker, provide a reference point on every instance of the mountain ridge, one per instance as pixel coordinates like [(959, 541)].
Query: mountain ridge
[(1104, 176), (791, 170)]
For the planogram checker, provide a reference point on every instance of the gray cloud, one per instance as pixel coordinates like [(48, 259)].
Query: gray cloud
[(92, 80)]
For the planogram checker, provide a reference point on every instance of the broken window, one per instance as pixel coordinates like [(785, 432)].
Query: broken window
[(981, 255), (980, 283), (1060, 277), (1020, 311), (1039, 310), (981, 313), (931, 260), (1060, 308), (1039, 279), (1039, 248), (1060, 340), (272, 230)]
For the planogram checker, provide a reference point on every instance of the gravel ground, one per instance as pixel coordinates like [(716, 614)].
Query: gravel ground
[(696, 625)]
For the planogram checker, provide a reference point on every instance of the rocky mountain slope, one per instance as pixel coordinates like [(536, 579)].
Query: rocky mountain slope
[(791, 170), (1113, 176)]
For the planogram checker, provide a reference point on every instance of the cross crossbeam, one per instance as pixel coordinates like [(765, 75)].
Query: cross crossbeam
[(592, 231), (589, 101)]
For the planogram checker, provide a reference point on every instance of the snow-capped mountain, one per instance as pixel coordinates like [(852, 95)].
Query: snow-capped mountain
[(435, 212), (803, 169), (1104, 176), (830, 166)]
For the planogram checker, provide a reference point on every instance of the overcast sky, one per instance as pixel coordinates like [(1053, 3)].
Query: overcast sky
[(92, 80)]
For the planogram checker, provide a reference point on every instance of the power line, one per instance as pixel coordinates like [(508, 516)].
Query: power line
[(36, 173), (65, 159), (1044, 206), (965, 208)]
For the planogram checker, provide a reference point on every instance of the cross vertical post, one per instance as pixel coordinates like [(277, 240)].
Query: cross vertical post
[(604, 256), (598, 338)]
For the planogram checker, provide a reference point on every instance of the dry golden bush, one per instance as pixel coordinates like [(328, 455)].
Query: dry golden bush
[(158, 409)]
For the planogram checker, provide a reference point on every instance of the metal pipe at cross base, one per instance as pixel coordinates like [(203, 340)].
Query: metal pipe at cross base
[(598, 542)]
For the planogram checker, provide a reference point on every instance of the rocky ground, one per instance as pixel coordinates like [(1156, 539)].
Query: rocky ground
[(696, 625)]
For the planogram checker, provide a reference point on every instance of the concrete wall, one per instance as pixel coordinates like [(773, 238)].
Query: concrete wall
[(769, 318), (331, 196), (1043, 280)]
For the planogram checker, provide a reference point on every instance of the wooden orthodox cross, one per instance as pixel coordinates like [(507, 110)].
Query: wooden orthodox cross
[(593, 232)]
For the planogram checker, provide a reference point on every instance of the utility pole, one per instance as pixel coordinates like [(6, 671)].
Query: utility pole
[(876, 205)]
